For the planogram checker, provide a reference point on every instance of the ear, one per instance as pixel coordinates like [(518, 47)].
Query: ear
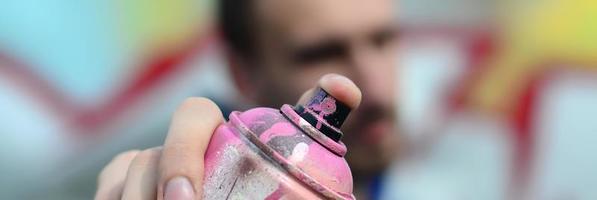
[(242, 74)]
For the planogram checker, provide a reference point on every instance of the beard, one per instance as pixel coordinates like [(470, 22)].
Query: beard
[(371, 137)]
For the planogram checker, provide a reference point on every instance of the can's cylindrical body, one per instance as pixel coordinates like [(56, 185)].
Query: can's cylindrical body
[(266, 153)]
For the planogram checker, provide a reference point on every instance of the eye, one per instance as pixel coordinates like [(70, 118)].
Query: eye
[(320, 52), (383, 37)]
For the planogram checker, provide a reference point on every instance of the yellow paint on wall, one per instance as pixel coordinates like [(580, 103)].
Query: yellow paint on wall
[(535, 33), (160, 25)]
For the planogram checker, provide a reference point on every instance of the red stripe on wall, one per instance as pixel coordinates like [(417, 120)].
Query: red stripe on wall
[(152, 74)]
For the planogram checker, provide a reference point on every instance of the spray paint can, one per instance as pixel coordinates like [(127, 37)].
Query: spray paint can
[(293, 152)]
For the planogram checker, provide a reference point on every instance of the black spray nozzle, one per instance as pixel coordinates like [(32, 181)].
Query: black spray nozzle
[(325, 113)]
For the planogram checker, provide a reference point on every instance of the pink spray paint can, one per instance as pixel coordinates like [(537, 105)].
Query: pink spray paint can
[(287, 153)]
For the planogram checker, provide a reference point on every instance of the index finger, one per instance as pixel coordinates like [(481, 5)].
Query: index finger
[(338, 86)]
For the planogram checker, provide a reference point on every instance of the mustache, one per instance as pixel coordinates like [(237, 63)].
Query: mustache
[(370, 113)]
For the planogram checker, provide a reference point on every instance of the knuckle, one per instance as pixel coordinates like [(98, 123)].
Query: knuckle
[(121, 157), (201, 103), (146, 158), (194, 101), (127, 155)]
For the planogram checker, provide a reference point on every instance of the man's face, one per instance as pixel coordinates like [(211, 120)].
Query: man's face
[(300, 41)]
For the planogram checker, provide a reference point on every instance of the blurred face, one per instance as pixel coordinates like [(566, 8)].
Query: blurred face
[(299, 41)]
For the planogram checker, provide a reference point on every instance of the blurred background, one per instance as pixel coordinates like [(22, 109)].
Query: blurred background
[(496, 97)]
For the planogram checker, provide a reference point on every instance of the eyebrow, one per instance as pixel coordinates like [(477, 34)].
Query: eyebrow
[(319, 50)]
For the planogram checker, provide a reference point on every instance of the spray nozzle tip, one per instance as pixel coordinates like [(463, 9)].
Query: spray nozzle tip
[(325, 113)]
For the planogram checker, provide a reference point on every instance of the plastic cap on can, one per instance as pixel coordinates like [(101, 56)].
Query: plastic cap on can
[(325, 113)]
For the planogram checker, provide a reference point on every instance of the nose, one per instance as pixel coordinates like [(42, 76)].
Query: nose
[(375, 73)]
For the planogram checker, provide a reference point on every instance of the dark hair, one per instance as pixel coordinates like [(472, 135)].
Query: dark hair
[(235, 19)]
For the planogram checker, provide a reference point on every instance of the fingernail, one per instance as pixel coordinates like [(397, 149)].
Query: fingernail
[(179, 188), (336, 77)]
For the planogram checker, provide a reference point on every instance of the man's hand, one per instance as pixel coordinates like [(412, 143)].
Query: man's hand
[(175, 171)]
